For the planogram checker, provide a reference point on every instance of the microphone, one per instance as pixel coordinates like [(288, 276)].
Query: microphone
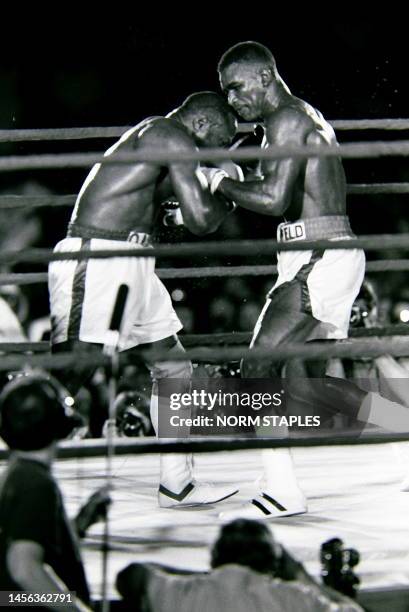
[(110, 349), (113, 332)]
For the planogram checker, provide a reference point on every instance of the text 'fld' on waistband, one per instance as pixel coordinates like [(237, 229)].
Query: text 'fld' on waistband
[(76, 230), (315, 228)]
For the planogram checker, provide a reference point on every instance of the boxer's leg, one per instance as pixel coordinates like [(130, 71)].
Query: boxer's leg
[(177, 485), (279, 323), (339, 395)]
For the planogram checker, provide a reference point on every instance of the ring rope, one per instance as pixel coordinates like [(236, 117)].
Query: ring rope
[(76, 133), (84, 133), (210, 444), (373, 189), (379, 242), (387, 265), (397, 346), (218, 339), (81, 160), (22, 201)]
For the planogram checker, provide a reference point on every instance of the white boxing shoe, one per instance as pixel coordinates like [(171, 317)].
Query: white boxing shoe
[(195, 494), (264, 507)]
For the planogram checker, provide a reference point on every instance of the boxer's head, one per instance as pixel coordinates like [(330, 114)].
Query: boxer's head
[(209, 119), (246, 71), (248, 543)]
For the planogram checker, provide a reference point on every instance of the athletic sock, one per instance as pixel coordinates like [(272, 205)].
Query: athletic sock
[(279, 473)]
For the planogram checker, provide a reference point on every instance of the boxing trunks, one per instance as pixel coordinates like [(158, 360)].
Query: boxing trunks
[(328, 280), (83, 293)]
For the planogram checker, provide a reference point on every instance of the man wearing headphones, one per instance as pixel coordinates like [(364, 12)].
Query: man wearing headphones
[(39, 551)]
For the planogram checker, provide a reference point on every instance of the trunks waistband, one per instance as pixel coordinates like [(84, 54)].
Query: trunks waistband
[(315, 228), (76, 230)]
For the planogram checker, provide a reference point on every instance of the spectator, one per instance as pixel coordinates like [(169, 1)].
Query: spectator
[(246, 563), (39, 551)]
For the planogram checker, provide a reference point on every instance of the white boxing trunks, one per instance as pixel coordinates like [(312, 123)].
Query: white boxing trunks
[(83, 293), (332, 278)]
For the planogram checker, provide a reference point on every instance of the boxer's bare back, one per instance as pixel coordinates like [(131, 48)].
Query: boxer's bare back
[(126, 197)]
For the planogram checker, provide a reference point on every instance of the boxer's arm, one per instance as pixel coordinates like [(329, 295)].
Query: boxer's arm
[(272, 194), (202, 211)]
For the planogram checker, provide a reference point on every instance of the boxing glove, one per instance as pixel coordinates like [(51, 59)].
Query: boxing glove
[(173, 215), (215, 176)]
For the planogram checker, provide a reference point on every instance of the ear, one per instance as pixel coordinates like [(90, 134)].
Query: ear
[(266, 76), (200, 125)]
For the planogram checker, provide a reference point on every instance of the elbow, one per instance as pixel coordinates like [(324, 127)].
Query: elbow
[(275, 204), (200, 230), (201, 226)]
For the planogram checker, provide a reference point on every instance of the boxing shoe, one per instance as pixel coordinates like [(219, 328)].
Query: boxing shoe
[(264, 507), (195, 494)]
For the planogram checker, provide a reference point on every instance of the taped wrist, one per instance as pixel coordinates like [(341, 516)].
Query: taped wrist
[(217, 178), (202, 179)]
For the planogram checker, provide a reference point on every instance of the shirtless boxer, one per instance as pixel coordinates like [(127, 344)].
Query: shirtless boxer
[(315, 290), (117, 208)]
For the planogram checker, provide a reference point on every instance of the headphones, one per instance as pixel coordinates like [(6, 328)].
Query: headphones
[(35, 410)]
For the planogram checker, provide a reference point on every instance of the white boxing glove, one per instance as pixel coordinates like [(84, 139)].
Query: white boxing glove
[(202, 178), (215, 176), (233, 170)]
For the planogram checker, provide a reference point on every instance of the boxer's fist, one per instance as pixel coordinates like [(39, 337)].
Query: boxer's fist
[(233, 170), (224, 169), (214, 177), (173, 215)]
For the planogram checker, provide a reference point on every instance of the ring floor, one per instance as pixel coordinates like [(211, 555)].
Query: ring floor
[(353, 492)]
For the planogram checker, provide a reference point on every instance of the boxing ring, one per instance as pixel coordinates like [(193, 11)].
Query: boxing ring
[(353, 485)]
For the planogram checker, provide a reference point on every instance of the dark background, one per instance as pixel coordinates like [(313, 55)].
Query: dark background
[(115, 69)]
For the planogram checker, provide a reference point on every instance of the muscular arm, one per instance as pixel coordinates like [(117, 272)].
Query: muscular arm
[(202, 212), (272, 194)]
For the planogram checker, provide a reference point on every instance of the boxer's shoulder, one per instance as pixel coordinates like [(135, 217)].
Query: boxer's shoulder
[(287, 123), (167, 133)]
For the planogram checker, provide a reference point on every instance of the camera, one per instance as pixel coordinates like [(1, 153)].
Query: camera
[(337, 563)]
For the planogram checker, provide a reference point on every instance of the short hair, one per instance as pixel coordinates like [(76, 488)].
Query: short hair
[(248, 51), (209, 102), (246, 542)]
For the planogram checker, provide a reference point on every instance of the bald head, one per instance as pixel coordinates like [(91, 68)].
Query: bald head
[(248, 52), (209, 103), (210, 117)]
